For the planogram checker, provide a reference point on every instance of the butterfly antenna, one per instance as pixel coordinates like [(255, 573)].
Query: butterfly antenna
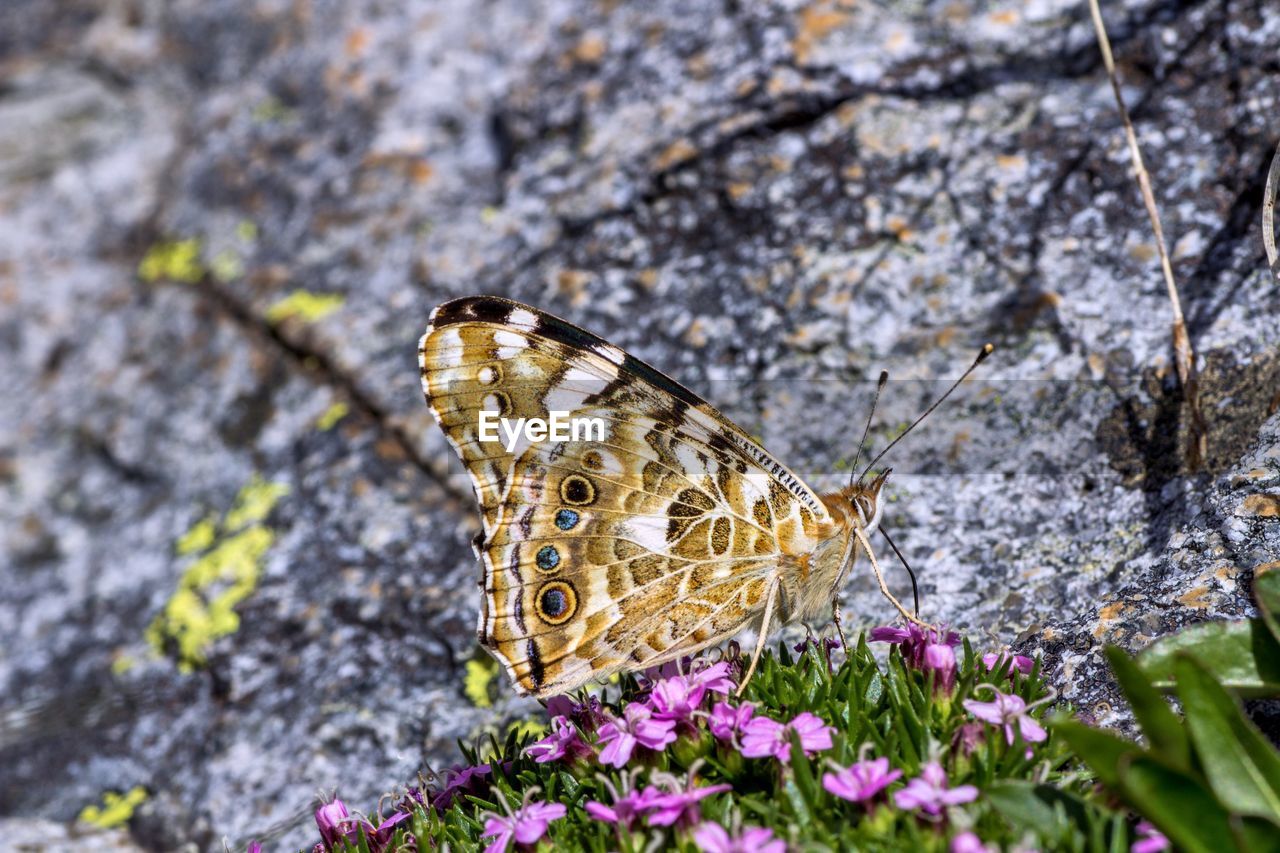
[(982, 354), (884, 377), (915, 590)]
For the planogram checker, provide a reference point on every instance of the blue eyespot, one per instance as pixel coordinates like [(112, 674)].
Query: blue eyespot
[(548, 558), (554, 603), (566, 519)]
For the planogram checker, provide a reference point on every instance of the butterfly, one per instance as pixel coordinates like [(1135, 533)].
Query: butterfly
[(668, 530)]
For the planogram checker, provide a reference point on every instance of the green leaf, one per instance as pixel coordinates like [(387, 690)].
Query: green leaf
[(1244, 655), (1266, 592), (803, 772), (1101, 750), (1032, 806), (1256, 834), (1162, 727), (1175, 802), (1242, 767)]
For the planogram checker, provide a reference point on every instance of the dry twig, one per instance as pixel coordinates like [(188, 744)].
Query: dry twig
[(1269, 214), (1183, 356)]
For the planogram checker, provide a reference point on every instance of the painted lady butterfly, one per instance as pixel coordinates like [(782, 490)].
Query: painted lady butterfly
[(675, 532)]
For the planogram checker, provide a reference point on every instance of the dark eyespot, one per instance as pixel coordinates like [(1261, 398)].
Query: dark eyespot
[(577, 490), (548, 558), (566, 519), (557, 602)]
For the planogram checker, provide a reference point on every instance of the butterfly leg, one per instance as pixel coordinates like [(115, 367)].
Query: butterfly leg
[(884, 589), (770, 599), (835, 617)]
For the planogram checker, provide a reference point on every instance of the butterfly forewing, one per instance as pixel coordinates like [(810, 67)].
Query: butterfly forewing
[(607, 554)]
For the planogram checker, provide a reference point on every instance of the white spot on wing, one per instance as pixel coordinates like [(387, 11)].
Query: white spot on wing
[(610, 352), (448, 348), (648, 531), (522, 318), (574, 387), (689, 461), (509, 343)]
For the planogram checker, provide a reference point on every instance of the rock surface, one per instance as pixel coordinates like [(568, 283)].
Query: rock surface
[(770, 201)]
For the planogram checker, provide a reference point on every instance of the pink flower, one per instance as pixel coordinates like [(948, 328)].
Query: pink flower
[(627, 809), (620, 737), (862, 781), (380, 836), (334, 822), (586, 715), (726, 720), (336, 826), (460, 780), (968, 737), (940, 659), (929, 792), (526, 825), (713, 838), (563, 742), (714, 678), (931, 650), (676, 698), (1007, 711), (682, 806), (762, 736), (967, 842), (995, 661), (1152, 840), (914, 640)]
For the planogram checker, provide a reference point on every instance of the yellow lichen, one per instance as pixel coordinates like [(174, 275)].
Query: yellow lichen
[(116, 809), (226, 266), (175, 260), (122, 664), (306, 306), (332, 415), (254, 503), (202, 608), (475, 684), (199, 537)]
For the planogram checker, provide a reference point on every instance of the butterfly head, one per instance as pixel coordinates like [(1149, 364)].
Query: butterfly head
[(864, 497)]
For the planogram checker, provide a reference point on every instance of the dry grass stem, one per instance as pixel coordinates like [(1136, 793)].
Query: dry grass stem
[(1184, 357), (1269, 214)]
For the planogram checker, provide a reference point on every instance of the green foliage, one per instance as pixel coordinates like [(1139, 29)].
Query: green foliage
[(1209, 782), (1032, 795)]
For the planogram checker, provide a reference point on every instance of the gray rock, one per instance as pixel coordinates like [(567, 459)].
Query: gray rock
[(771, 202)]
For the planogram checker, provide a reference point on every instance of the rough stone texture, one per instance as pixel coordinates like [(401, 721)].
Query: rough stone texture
[(769, 201)]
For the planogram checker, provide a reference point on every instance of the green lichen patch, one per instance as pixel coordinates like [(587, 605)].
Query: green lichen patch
[(116, 808), (332, 415), (305, 306), (226, 572), (172, 260)]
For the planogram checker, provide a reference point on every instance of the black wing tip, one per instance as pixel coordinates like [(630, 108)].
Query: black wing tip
[(472, 309)]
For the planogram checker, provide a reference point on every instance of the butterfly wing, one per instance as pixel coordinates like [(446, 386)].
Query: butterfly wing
[(657, 539)]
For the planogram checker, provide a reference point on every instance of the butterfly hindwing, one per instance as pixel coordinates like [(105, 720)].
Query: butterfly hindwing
[(606, 554)]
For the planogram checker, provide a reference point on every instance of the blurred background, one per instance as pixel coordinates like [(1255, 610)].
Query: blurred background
[(235, 567)]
